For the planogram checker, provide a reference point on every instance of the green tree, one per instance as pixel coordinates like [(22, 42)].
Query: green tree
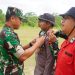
[(31, 19), (58, 21), (2, 17)]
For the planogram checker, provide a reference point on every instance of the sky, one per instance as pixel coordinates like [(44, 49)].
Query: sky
[(39, 6)]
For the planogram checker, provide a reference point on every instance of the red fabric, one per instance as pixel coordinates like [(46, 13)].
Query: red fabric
[(66, 59)]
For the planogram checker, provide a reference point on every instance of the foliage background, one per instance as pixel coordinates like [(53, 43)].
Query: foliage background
[(31, 19)]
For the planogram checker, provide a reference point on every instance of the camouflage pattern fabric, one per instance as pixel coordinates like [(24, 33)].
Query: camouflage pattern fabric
[(9, 63)]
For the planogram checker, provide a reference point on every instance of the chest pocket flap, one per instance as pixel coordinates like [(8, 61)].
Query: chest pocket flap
[(68, 57)]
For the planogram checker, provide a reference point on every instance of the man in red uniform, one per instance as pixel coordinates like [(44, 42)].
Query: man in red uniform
[(66, 56)]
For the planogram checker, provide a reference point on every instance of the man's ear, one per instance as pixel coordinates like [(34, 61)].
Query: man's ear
[(12, 18)]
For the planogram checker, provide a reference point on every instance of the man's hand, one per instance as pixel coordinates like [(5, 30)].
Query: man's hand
[(52, 37)]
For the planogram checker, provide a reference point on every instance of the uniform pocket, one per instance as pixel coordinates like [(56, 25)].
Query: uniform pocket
[(68, 57)]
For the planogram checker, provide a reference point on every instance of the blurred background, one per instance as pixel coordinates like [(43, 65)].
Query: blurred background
[(29, 28)]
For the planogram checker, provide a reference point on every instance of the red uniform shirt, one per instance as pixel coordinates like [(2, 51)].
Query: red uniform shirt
[(66, 59)]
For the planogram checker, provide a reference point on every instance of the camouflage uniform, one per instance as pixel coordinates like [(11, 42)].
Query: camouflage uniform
[(9, 46)]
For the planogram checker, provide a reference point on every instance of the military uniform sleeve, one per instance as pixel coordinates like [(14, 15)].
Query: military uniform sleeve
[(12, 44)]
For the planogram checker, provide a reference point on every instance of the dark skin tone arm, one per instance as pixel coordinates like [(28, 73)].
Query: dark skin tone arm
[(28, 52)]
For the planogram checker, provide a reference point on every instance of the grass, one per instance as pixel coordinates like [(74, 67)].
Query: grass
[(26, 34)]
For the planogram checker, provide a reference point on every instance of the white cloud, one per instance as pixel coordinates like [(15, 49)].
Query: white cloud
[(39, 6)]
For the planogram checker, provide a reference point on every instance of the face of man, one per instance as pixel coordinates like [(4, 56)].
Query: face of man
[(16, 22), (67, 24), (44, 25)]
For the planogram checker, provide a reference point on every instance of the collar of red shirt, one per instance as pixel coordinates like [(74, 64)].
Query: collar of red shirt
[(72, 40)]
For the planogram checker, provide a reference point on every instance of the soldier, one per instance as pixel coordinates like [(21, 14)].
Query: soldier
[(45, 56), (12, 54)]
